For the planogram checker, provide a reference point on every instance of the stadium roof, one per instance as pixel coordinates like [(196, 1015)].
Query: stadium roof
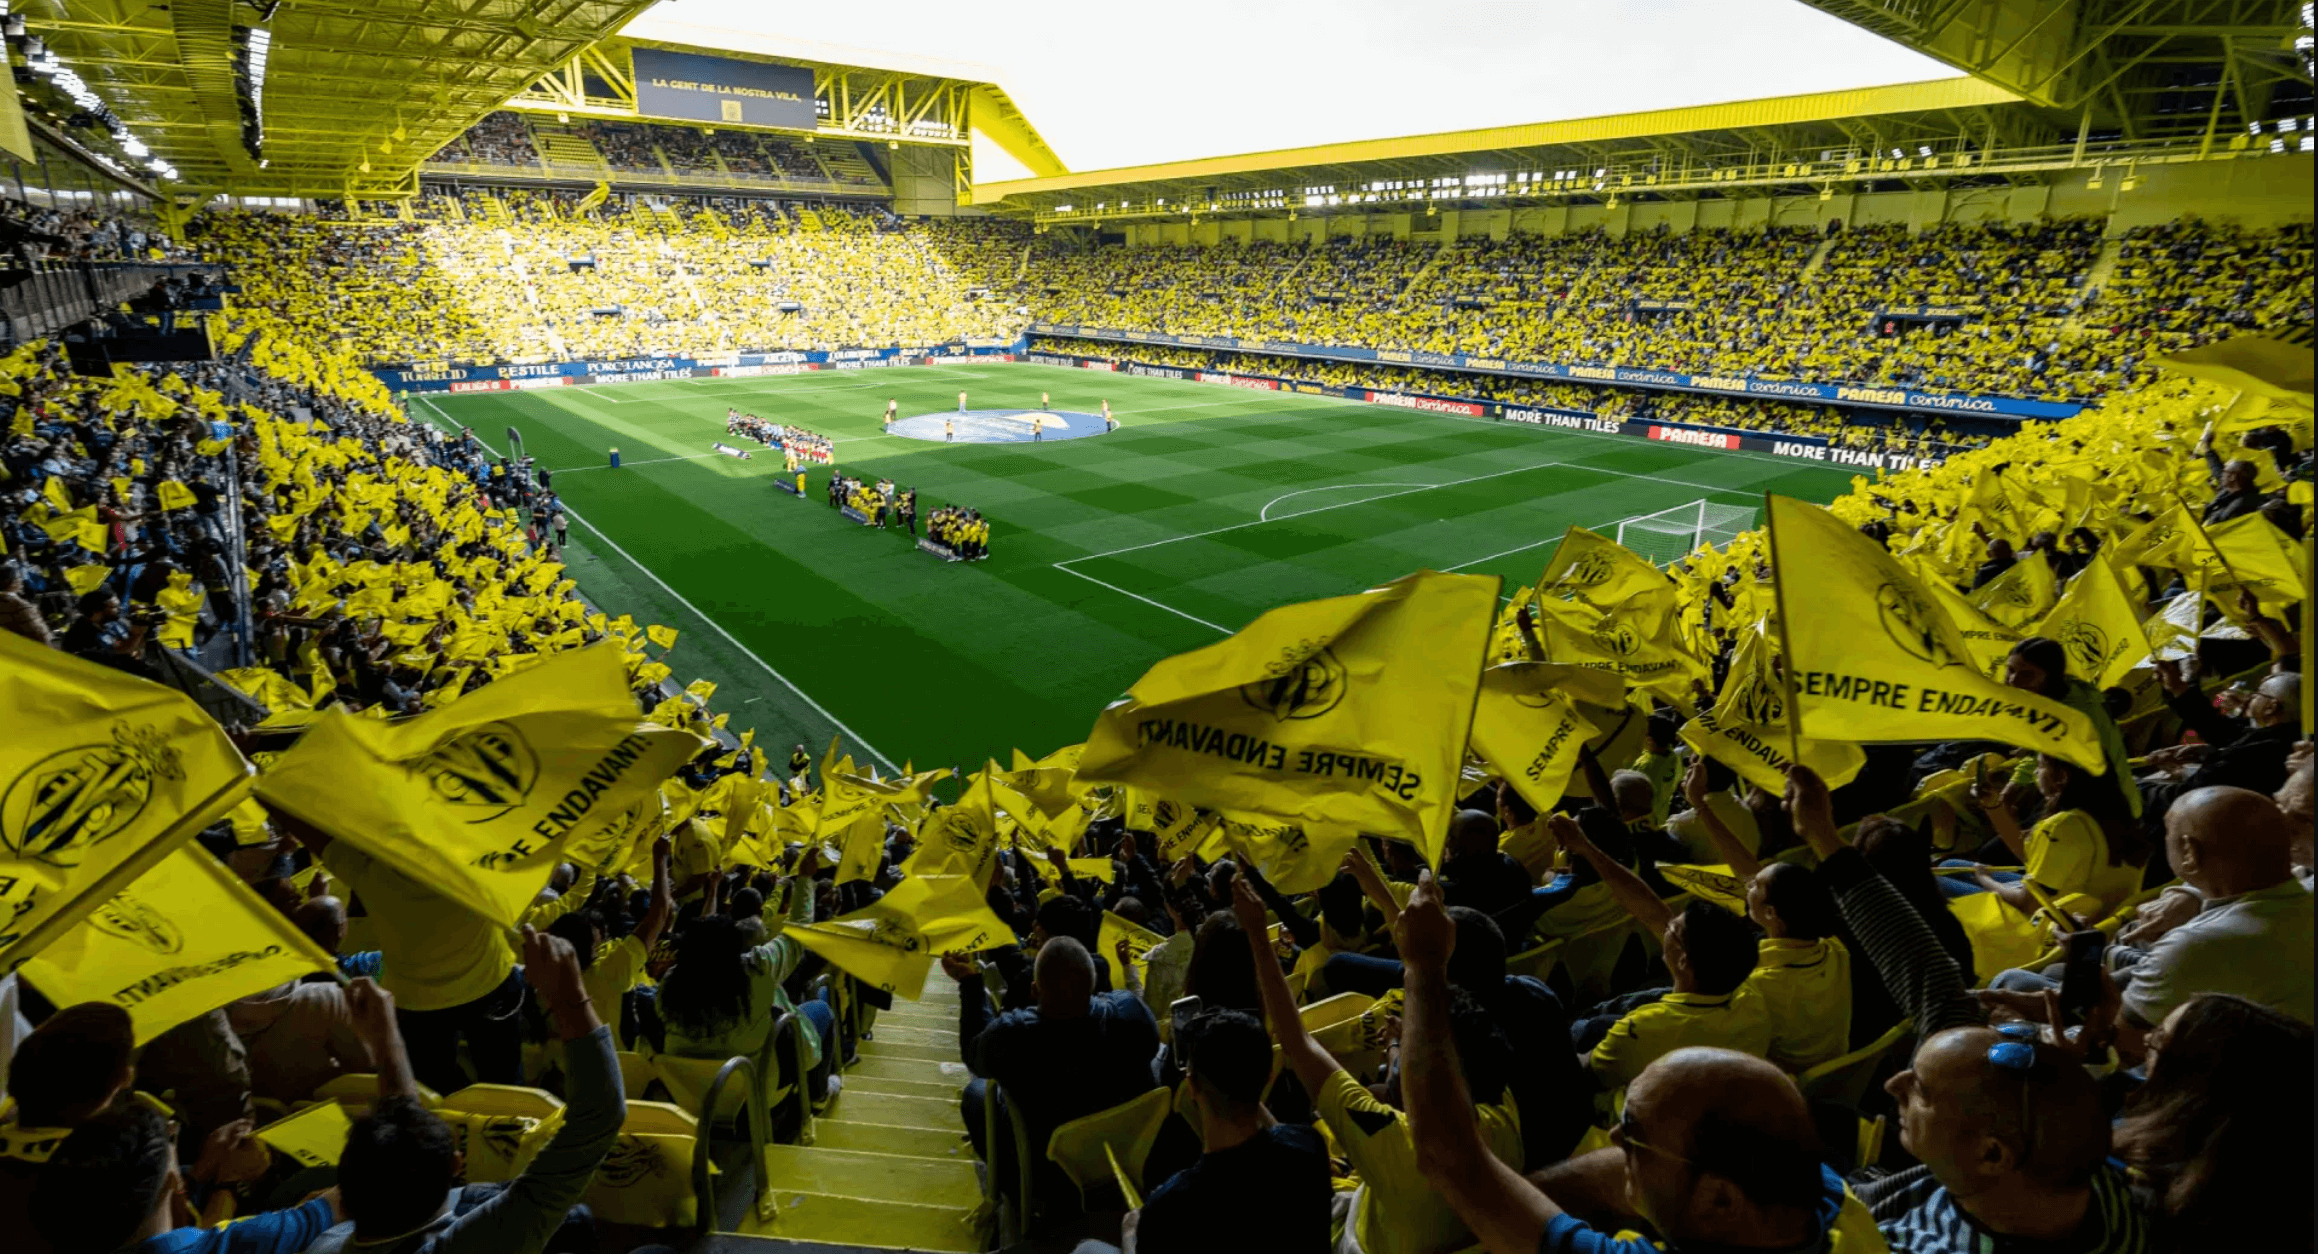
[(2138, 68), (1933, 132), (355, 92), (859, 93)]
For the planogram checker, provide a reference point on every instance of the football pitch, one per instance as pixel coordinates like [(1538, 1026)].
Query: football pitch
[(1208, 506)]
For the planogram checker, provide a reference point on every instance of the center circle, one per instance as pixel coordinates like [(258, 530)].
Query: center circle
[(999, 426)]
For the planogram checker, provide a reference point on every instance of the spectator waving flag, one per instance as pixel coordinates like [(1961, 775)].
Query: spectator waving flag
[(891, 942), (1351, 710), (1875, 659), (185, 938), (1528, 724), (101, 775), (2096, 622), (961, 839), (481, 797), (1747, 728)]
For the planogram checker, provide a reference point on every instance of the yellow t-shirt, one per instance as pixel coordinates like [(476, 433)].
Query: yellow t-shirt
[(609, 978), (2069, 853), (1678, 1021), (1805, 989), (1396, 1211), (434, 954)]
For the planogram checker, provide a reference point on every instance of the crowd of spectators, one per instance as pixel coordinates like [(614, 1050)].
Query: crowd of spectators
[(1862, 429), (708, 275), (2023, 320), (499, 139), (649, 148)]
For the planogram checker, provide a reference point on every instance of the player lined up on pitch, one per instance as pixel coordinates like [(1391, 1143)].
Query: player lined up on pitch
[(962, 531), (798, 446)]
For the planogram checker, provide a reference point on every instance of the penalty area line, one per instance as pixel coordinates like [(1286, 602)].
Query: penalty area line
[(713, 625), (1144, 599)]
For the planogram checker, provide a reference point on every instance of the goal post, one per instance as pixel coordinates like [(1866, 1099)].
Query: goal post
[(1672, 534)]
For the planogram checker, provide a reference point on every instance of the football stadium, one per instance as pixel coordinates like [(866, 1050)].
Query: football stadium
[(626, 635)]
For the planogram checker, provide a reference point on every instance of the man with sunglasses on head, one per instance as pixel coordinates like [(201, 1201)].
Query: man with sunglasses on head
[(2012, 1141)]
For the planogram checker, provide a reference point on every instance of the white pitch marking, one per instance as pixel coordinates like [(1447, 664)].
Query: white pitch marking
[(1256, 522), (1265, 514), (713, 625), (1144, 599), (649, 461)]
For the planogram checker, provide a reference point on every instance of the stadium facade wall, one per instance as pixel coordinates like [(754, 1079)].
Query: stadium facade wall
[(1727, 439), (2268, 192), (466, 377), (1862, 396)]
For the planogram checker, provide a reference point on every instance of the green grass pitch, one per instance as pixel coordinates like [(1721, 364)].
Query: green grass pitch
[(1208, 506)]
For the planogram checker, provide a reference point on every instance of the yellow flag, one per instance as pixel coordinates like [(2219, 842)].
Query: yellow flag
[(59, 497), (315, 1136), (665, 637), (1050, 783), (181, 940), (1599, 571), (1528, 727), (1874, 659), (1295, 857), (1635, 640), (890, 943), (2265, 365), (1747, 728), (93, 536), (101, 775), (1988, 641), (1709, 883), (960, 839), (480, 797), (2162, 541), (853, 809), (1315, 712), (2248, 552), (2020, 595), (2098, 626), (173, 495), (1140, 941), (86, 577)]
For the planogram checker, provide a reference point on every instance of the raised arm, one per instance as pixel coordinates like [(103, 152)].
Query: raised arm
[(1372, 884), (1311, 1063), (1924, 981), (1505, 1211), (1624, 885), (1742, 864), (663, 900), (1988, 794), (1303, 930)]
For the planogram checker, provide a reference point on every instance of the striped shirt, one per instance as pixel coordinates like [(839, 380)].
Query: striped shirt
[(1919, 1216)]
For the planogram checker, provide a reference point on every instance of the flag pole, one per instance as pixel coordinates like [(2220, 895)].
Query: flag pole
[(2202, 534), (1786, 658)]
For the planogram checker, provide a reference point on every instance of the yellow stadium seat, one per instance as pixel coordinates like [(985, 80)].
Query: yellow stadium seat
[(1845, 1079), (1870, 1144), (1084, 1147), (357, 1091), (500, 1127), (654, 1176)]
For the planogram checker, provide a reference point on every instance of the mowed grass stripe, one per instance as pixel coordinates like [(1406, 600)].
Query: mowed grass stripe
[(949, 663)]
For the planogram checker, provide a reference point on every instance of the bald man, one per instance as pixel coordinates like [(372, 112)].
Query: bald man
[(2014, 1146), (2254, 935), (1718, 1148), (1076, 1052)]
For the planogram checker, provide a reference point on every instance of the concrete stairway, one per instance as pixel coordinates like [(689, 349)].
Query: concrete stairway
[(889, 1167)]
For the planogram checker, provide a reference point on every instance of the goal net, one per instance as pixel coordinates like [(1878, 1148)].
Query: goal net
[(1671, 534)]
